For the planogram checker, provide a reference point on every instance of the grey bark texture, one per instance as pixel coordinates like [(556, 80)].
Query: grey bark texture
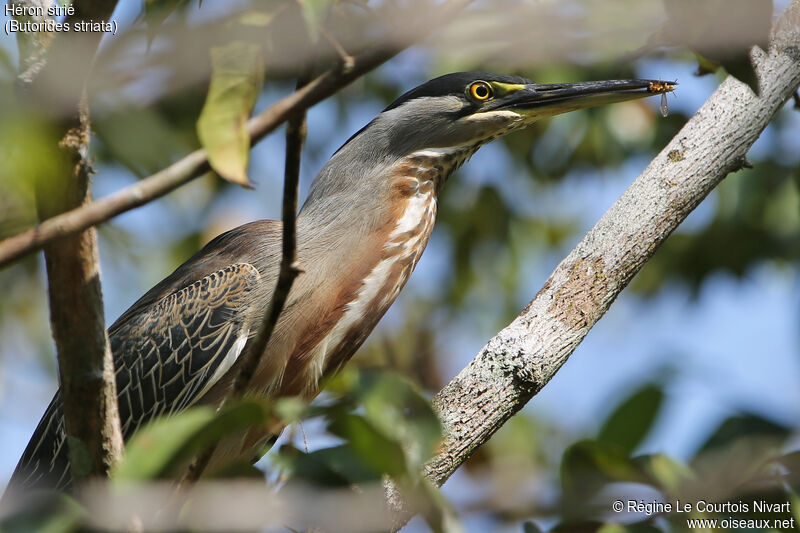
[(522, 358)]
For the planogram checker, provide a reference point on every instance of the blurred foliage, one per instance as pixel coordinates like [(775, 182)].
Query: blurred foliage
[(155, 12), (46, 512), (746, 458), (386, 427), (763, 217), (629, 424), (720, 32), (759, 212), (163, 447), (382, 423)]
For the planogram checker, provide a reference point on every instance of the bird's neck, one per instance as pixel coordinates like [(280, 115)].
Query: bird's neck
[(359, 245), (387, 208), (359, 192)]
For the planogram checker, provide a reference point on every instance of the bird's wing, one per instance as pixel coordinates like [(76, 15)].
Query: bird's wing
[(166, 355), (169, 356)]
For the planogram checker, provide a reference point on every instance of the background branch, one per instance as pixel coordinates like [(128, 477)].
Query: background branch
[(86, 369), (522, 358), (196, 163)]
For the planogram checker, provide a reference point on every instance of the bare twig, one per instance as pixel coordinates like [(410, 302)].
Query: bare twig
[(196, 163), (522, 358), (346, 59), (289, 270)]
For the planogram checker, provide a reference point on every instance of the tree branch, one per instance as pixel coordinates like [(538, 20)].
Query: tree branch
[(196, 163), (289, 270), (522, 358), (86, 369)]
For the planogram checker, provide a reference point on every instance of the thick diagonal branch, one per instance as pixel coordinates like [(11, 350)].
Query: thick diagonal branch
[(522, 358)]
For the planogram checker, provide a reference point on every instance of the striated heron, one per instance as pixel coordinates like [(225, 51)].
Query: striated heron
[(360, 233)]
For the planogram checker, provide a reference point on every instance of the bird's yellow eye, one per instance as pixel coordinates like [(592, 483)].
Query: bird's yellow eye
[(480, 91)]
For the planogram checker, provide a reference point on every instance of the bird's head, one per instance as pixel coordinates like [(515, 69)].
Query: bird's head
[(449, 118), (468, 109)]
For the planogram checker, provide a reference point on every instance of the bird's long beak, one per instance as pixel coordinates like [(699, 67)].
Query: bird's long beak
[(543, 100)]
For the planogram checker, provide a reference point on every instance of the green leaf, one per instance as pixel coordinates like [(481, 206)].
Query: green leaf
[(666, 473), (791, 463), (256, 18), (156, 12), (290, 409), (399, 411), (582, 526), (337, 466), (237, 76), (380, 453), (168, 443), (44, 512), (314, 12), (239, 469), (437, 511), (153, 450), (636, 527), (7, 68), (742, 426), (529, 526), (632, 420), (141, 139), (343, 383), (588, 465), (739, 457), (393, 407)]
